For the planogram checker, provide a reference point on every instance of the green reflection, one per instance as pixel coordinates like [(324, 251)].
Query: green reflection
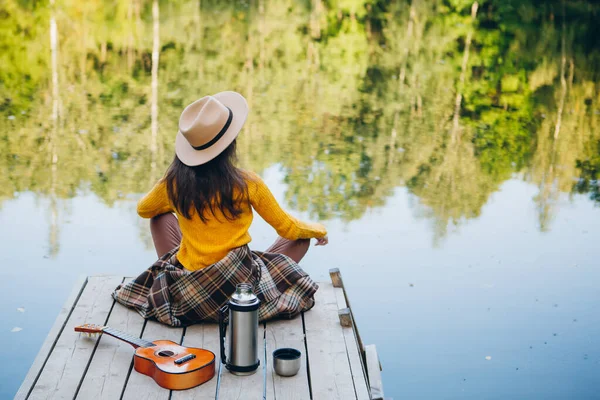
[(351, 98)]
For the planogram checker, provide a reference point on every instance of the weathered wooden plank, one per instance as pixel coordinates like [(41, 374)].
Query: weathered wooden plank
[(140, 386), (234, 387), (330, 372), (374, 371), (358, 370), (287, 334), (345, 317), (205, 336), (268, 372), (52, 338), (338, 282), (67, 363), (108, 370), (336, 277)]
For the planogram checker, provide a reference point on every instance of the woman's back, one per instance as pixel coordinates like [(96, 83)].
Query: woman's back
[(207, 241)]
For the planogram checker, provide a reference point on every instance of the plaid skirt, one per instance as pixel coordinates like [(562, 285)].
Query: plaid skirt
[(178, 297)]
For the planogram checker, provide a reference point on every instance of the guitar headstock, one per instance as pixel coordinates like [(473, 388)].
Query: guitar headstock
[(90, 329)]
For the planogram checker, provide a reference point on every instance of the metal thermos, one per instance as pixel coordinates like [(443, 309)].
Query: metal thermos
[(241, 355)]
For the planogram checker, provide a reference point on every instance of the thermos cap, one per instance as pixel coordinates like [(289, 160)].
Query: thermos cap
[(243, 295)]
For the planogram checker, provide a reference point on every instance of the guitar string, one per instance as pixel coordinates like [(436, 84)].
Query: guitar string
[(137, 341)]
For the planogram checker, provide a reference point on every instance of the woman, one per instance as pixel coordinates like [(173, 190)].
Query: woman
[(200, 214)]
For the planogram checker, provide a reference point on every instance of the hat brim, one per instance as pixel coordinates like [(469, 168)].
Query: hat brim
[(192, 157)]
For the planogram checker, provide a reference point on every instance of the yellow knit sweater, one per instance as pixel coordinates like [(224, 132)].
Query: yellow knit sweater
[(203, 244)]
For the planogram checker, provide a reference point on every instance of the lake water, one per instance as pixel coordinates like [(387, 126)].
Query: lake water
[(451, 149)]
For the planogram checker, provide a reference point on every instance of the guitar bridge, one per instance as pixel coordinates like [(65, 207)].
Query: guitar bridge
[(184, 359)]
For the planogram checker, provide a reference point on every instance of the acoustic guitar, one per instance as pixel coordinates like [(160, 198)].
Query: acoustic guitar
[(170, 365)]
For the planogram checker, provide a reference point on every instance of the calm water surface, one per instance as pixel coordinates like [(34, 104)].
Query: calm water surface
[(451, 149)]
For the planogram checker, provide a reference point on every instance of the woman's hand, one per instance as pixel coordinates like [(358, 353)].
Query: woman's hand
[(322, 241)]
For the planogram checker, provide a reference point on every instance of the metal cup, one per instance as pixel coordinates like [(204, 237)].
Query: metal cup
[(286, 361)]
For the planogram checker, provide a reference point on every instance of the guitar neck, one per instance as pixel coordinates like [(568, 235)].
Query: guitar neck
[(132, 340)]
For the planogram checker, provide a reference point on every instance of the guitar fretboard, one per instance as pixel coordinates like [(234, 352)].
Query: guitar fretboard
[(128, 338)]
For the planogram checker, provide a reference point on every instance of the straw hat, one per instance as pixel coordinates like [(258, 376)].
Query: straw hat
[(208, 126)]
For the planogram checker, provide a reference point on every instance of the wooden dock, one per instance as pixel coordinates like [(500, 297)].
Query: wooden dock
[(335, 364)]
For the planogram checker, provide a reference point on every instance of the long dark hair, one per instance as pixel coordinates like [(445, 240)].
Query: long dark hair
[(218, 184)]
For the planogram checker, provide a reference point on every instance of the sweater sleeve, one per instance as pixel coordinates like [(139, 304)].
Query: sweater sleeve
[(287, 226), (156, 202)]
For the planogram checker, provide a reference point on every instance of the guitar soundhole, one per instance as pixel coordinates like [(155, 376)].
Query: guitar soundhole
[(165, 353)]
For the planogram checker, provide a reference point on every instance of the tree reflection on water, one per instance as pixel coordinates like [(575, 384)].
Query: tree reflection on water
[(352, 99)]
